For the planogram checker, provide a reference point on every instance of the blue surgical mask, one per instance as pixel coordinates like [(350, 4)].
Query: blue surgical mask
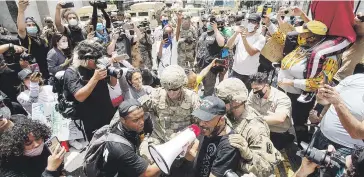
[(164, 23), (32, 29), (99, 27)]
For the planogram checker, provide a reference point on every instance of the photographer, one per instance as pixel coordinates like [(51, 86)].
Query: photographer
[(24, 153), (248, 43), (101, 31), (73, 29), (86, 85), (49, 29), (9, 68), (29, 35), (354, 165)]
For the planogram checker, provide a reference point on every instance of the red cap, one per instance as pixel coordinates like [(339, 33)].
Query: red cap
[(195, 129)]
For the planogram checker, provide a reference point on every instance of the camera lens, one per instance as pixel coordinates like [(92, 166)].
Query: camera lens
[(114, 72)]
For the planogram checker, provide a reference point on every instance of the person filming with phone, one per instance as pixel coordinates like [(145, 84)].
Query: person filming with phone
[(249, 42), (24, 152)]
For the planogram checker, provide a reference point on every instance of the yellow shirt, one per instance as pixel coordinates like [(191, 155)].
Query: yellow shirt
[(199, 79)]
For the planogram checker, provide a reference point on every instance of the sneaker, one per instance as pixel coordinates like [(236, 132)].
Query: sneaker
[(306, 97)]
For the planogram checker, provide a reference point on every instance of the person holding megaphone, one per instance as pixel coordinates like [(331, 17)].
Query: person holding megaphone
[(212, 154)]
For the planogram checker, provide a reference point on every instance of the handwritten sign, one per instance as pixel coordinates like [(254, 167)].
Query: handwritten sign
[(272, 50), (64, 129)]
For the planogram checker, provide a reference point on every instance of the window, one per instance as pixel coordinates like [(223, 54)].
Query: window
[(133, 14), (142, 14)]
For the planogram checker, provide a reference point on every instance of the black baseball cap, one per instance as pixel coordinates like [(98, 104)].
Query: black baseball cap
[(24, 73), (128, 106), (210, 107), (256, 17)]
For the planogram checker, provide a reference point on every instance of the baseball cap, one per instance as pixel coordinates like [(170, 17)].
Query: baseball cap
[(232, 89), (24, 73), (255, 17), (315, 27), (128, 106), (210, 107)]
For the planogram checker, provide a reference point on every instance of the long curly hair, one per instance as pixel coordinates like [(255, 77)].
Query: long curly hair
[(12, 141)]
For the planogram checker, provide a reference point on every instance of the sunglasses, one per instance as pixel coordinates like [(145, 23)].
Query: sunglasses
[(174, 90), (49, 22)]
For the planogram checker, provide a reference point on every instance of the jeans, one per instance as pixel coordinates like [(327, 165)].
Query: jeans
[(244, 78)]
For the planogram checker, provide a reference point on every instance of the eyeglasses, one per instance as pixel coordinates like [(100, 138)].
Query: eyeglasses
[(49, 22)]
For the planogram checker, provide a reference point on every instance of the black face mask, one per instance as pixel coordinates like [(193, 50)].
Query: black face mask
[(260, 93), (131, 32), (217, 69)]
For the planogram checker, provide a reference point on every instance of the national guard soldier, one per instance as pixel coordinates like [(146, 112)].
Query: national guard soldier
[(172, 104), (145, 44), (259, 156), (186, 43)]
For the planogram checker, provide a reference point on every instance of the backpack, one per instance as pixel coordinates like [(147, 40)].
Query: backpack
[(94, 157)]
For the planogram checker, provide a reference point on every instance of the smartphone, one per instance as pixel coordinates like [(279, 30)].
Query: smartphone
[(220, 61), (67, 5), (123, 56), (165, 36), (52, 144), (224, 53), (326, 78), (212, 19)]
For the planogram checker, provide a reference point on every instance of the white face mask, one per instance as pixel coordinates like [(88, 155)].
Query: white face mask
[(73, 22), (251, 27), (34, 152), (63, 45)]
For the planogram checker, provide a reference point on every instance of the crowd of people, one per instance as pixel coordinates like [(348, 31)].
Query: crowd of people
[(147, 85)]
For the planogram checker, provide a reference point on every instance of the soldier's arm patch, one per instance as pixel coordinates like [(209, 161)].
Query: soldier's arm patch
[(269, 148)]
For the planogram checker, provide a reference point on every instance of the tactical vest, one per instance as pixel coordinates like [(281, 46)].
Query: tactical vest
[(172, 119)]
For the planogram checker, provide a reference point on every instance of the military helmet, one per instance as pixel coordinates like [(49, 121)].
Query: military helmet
[(173, 77), (232, 89)]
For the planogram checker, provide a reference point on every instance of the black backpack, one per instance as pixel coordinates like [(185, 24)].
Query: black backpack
[(94, 157)]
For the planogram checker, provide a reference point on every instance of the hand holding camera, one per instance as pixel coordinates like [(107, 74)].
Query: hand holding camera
[(99, 74)]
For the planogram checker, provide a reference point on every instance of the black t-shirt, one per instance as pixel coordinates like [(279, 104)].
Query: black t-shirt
[(215, 156), (97, 110), (75, 35), (39, 50), (208, 49), (123, 159)]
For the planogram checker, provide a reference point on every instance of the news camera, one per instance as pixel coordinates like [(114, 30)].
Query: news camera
[(104, 63)]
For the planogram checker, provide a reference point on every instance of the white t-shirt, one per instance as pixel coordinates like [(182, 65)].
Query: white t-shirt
[(169, 56), (351, 90), (45, 95), (245, 64)]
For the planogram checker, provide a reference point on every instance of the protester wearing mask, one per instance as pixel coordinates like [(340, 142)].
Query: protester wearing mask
[(291, 77), (354, 165), (29, 35), (211, 152), (209, 47), (123, 160), (58, 57), (275, 107), (248, 44), (86, 85), (33, 90), (102, 30), (73, 29), (24, 154), (253, 141), (49, 29), (168, 46)]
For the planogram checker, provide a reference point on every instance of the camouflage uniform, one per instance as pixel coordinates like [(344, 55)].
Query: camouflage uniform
[(145, 48), (253, 129), (172, 115), (186, 47)]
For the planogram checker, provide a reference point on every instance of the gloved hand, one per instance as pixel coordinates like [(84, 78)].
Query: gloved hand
[(239, 142)]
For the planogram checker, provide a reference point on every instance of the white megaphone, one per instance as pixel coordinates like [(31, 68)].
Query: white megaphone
[(164, 154)]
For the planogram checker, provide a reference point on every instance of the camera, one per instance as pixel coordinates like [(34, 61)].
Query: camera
[(26, 57), (267, 9), (103, 63), (101, 4), (324, 159), (67, 5), (230, 173)]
